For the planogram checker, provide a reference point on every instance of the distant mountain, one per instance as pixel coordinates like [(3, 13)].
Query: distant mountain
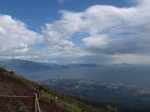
[(127, 64), (38, 70), (122, 73), (17, 64), (84, 65)]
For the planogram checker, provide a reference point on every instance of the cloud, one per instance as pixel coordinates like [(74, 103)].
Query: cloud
[(127, 29), (58, 43), (102, 30), (110, 30), (14, 35), (99, 40)]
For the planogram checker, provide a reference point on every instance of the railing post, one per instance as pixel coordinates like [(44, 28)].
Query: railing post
[(38, 106), (34, 102)]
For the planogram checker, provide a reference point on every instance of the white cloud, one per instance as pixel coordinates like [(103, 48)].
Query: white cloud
[(57, 38), (14, 35), (111, 21), (99, 40), (96, 20), (110, 29)]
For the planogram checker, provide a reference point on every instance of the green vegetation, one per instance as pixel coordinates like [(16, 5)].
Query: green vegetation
[(21, 79), (68, 106), (49, 98), (45, 97), (109, 108)]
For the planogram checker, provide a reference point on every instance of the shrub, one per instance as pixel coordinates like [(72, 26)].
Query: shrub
[(44, 88), (45, 97), (68, 106)]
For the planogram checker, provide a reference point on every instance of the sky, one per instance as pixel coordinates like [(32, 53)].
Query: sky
[(75, 31)]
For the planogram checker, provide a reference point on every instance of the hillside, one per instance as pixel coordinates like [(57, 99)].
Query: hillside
[(11, 84)]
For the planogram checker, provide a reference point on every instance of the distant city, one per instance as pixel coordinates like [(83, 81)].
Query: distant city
[(125, 96)]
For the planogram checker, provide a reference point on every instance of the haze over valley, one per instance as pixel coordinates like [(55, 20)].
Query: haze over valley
[(121, 73)]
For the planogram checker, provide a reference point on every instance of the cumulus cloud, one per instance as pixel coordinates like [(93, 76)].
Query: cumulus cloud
[(14, 35), (58, 42), (99, 40), (110, 30), (106, 31), (126, 28)]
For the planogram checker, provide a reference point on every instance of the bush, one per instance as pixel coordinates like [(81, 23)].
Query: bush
[(44, 88), (68, 106), (45, 97)]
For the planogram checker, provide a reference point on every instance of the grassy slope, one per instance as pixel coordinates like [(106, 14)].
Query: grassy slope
[(11, 84)]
